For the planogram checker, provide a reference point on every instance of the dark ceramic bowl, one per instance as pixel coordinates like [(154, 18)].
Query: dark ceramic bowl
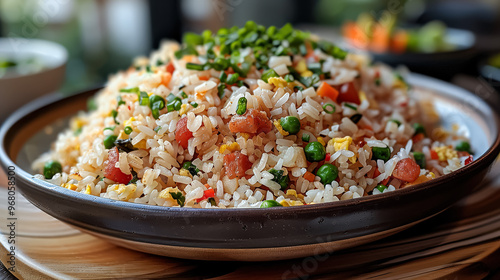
[(246, 234)]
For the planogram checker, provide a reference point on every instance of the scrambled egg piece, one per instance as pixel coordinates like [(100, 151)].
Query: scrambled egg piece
[(301, 66), (141, 144), (445, 153), (184, 109), (341, 144), (245, 135), (230, 147), (69, 186), (277, 82), (287, 203), (125, 192), (291, 192), (122, 135), (279, 128), (88, 190), (129, 122), (362, 96), (307, 73), (184, 172), (77, 123), (321, 141)]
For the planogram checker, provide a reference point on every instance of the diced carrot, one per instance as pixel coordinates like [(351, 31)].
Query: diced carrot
[(399, 41), (326, 90), (253, 121), (309, 176), (236, 164), (434, 155), (406, 170), (111, 171), (203, 78), (418, 137), (380, 38), (206, 194), (468, 160), (165, 78)]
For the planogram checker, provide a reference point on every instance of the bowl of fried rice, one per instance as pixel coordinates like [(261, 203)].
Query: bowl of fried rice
[(251, 143)]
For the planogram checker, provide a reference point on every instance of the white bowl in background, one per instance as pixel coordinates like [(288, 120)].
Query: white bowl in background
[(17, 90)]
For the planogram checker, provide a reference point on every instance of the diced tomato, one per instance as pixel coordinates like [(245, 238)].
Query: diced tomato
[(434, 155), (170, 67), (253, 121), (236, 164), (309, 176), (418, 137), (114, 173), (327, 157), (165, 78), (348, 93), (326, 90), (468, 160), (206, 195), (182, 133), (406, 170), (377, 173)]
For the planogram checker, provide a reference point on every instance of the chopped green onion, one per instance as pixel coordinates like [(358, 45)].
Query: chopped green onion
[(148, 69), (157, 103), (270, 204), (329, 111), (114, 114), (112, 128), (157, 129), (134, 177), (242, 106), (194, 66), (279, 178), (289, 78), (78, 131), (184, 95), (128, 130), (130, 90), (120, 100), (143, 99), (192, 39), (194, 104), (377, 81), (306, 137), (223, 77), (159, 62), (298, 88), (212, 202), (179, 198), (351, 106), (395, 121), (463, 146), (189, 166), (420, 159), (220, 90), (269, 74), (91, 104), (232, 79)]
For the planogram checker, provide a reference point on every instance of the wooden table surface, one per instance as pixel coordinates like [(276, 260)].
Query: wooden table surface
[(460, 243)]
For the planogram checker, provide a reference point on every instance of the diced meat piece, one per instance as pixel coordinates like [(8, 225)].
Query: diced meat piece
[(253, 121), (236, 164), (182, 133), (406, 170), (114, 173)]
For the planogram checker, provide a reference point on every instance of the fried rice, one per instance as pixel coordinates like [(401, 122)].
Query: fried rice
[(252, 117)]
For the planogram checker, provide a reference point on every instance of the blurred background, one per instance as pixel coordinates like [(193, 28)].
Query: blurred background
[(103, 36)]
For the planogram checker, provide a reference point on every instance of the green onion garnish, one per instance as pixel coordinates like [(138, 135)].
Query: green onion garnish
[(351, 106), (306, 137), (194, 66), (114, 114), (289, 78), (329, 111), (232, 79), (184, 95), (269, 74), (220, 90), (128, 130), (242, 106), (194, 104)]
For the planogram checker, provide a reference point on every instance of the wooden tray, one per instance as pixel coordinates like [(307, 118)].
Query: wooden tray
[(462, 242)]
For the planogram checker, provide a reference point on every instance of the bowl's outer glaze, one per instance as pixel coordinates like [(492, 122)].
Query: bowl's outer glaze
[(140, 226)]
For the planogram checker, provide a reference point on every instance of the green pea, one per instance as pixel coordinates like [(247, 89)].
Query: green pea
[(420, 159), (128, 130), (51, 168), (463, 146), (270, 203), (383, 153), (109, 141), (328, 173), (315, 151), (290, 124), (381, 188)]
